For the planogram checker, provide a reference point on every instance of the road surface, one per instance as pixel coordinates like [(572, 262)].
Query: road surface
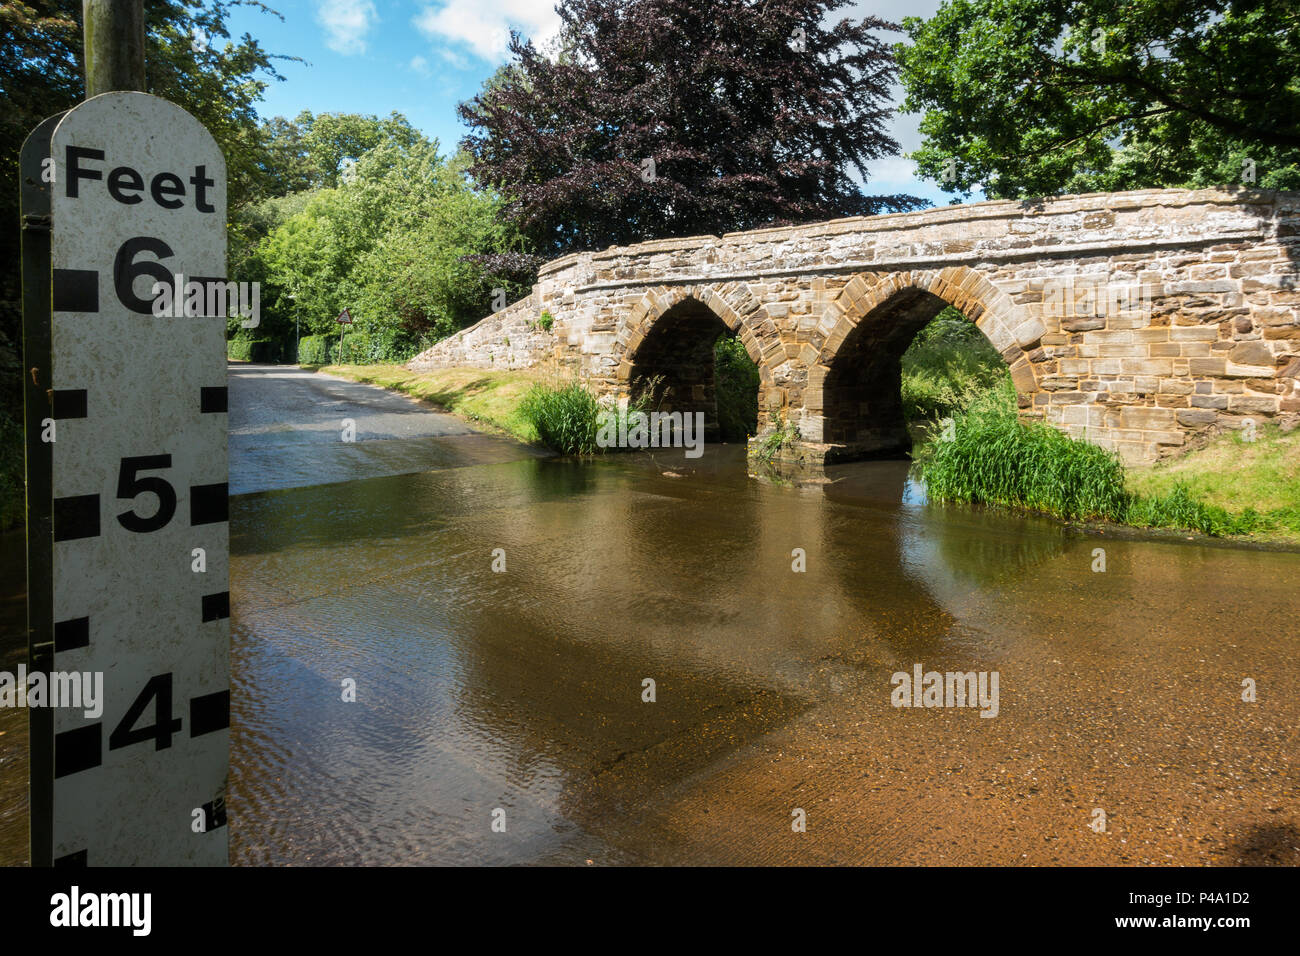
[(290, 428)]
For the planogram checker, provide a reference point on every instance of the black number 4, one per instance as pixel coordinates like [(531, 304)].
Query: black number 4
[(130, 484), (164, 725)]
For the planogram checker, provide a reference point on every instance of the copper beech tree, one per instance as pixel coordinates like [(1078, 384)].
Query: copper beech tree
[(657, 118)]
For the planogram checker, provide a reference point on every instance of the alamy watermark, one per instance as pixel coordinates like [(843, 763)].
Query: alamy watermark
[(208, 298), (923, 688), (1075, 297), (125, 910), (620, 428), (71, 689)]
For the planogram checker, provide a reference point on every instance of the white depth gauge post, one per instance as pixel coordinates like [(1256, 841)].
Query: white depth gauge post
[(128, 530)]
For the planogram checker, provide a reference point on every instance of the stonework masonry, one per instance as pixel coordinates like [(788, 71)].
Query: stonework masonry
[(1134, 320)]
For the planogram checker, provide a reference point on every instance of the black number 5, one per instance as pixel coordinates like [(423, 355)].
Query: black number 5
[(130, 485)]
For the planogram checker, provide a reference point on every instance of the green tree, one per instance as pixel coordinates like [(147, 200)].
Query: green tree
[(331, 139), (298, 156), (394, 243), (1036, 97)]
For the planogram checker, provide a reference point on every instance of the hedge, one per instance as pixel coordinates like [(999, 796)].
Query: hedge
[(316, 349), (253, 350), (356, 349)]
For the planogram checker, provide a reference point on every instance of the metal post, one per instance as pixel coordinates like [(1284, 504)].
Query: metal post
[(297, 336), (114, 37)]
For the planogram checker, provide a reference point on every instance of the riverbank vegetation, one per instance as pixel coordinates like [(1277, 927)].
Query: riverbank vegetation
[(566, 417), (735, 385), (984, 454), (948, 365)]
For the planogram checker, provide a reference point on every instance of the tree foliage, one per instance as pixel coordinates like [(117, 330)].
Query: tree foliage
[(1035, 97), (390, 243), (218, 80), (752, 114)]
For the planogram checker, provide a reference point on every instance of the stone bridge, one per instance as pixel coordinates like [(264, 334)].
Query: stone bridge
[(1135, 320)]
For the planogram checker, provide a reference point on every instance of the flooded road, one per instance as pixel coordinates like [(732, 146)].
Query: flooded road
[(519, 696), (290, 428), (521, 690)]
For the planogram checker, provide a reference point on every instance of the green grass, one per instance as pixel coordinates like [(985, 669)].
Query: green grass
[(994, 458), (736, 386), (1241, 486), (947, 366), (785, 433), (491, 398), (567, 417), (1229, 470)]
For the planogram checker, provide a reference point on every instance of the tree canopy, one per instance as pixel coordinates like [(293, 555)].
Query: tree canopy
[(675, 117), (393, 241), (1035, 97)]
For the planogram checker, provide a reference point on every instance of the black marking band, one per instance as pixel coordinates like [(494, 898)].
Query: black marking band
[(72, 634), (209, 503), (69, 403), (213, 399), (216, 606), (76, 290), (76, 516), (78, 750), (209, 713)]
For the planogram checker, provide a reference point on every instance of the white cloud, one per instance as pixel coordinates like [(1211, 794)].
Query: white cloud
[(483, 26), (420, 65), (893, 169), (346, 23), (457, 60)]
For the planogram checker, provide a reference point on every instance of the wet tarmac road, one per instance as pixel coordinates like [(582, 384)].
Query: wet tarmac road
[(290, 427)]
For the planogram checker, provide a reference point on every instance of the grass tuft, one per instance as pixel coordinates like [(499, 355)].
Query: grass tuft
[(567, 418), (995, 458)]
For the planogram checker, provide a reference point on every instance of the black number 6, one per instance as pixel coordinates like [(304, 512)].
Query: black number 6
[(129, 485), (126, 269)]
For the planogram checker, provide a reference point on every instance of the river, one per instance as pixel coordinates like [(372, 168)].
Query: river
[(517, 696)]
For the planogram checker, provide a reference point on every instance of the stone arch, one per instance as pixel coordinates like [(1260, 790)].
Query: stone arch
[(734, 304), (671, 331), (852, 400)]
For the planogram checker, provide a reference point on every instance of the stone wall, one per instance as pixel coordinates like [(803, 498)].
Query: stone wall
[(1135, 320)]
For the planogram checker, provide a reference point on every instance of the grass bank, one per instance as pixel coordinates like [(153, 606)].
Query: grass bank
[(1230, 488), (1239, 476), (491, 398)]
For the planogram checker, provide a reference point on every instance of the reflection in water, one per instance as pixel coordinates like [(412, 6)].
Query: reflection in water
[(522, 689)]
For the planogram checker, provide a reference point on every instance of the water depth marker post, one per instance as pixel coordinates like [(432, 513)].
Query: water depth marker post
[(127, 519)]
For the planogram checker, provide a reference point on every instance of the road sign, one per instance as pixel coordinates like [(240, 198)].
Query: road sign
[(345, 318), (128, 522)]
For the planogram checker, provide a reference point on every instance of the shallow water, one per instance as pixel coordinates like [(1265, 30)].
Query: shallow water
[(517, 695), (521, 690)]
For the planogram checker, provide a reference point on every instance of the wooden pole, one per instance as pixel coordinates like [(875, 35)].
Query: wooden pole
[(114, 39)]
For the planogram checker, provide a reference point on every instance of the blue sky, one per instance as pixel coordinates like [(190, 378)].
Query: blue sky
[(422, 57)]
